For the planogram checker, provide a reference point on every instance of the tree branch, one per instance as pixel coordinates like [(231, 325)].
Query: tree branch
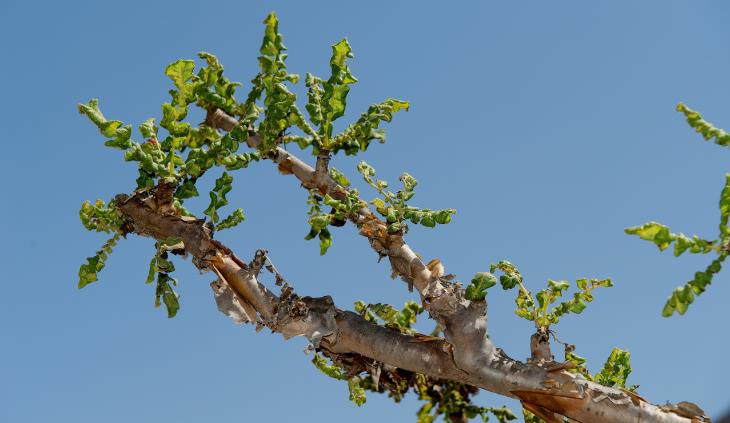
[(327, 327), (240, 295), (464, 322)]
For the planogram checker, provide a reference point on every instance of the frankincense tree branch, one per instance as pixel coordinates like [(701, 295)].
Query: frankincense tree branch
[(339, 333), (394, 358)]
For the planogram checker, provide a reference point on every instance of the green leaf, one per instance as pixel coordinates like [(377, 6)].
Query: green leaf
[(100, 217), (409, 182), (88, 272), (172, 305), (357, 393), (401, 320), (218, 199), (315, 92), (477, 289), (725, 210), (357, 137), (280, 110), (213, 90), (339, 177), (272, 45), (171, 120), (232, 220), (662, 238), (325, 241), (530, 418), (148, 129), (443, 217), (616, 369), (511, 276), (683, 296), (180, 72), (708, 130), (186, 190), (152, 270), (328, 99), (577, 306), (330, 370), (654, 232), (503, 414), (579, 362), (107, 127), (165, 293)]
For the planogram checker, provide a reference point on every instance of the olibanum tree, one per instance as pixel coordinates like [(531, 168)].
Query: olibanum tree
[(374, 347)]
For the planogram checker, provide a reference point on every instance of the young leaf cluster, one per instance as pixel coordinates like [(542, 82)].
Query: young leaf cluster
[(385, 314), (99, 217), (535, 308), (452, 400), (340, 210), (615, 370), (223, 186), (327, 101), (161, 267), (662, 237), (393, 206), (88, 272)]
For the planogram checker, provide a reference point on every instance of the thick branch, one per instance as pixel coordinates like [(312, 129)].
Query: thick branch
[(341, 332)]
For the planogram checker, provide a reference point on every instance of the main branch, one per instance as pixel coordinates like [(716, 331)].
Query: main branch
[(465, 356)]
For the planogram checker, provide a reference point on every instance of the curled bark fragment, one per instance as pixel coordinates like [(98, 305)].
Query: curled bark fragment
[(240, 311)]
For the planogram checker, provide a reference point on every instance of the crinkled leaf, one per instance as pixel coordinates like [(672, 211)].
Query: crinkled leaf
[(180, 72), (107, 127), (477, 289), (683, 296), (232, 220), (654, 232), (325, 241), (148, 129), (339, 177), (357, 392), (330, 370), (218, 196), (708, 130), (88, 272), (357, 137), (725, 210), (164, 294), (616, 369), (100, 217)]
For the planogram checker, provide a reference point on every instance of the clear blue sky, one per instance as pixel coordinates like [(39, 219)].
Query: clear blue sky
[(549, 127)]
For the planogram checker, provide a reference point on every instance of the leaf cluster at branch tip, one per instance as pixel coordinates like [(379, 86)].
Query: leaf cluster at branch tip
[(662, 237), (394, 207), (535, 308)]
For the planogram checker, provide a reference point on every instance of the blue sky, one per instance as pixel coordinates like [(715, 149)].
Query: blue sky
[(549, 127)]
